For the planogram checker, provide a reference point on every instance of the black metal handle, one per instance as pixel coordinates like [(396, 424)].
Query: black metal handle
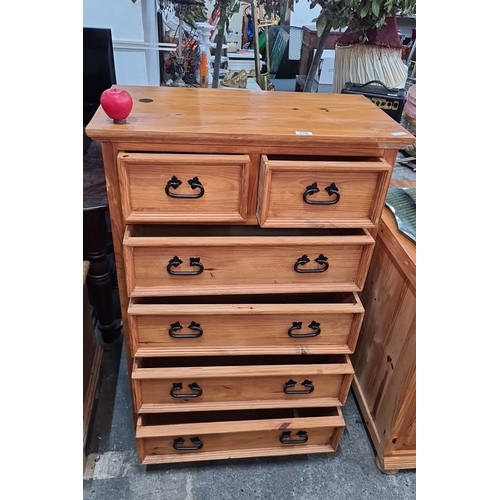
[(297, 325), (176, 262), (177, 386), (332, 190), (179, 442), (301, 261), (175, 327), (287, 439), (291, 383), (174, 183), (377, 82)]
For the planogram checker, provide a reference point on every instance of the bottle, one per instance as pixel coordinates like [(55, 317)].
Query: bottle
[(204, 70)]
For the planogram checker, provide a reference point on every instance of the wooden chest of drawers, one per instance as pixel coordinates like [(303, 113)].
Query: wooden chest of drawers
[(243, 227)]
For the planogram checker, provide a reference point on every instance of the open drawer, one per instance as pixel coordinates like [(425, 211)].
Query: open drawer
[(160, 187), (236, 382), (221, 260), (301, 191), (187, 437), (314, 323)]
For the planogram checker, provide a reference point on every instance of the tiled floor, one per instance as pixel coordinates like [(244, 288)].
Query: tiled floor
[(113, 472)]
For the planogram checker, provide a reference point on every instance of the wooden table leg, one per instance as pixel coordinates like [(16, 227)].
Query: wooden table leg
[(99, 281)]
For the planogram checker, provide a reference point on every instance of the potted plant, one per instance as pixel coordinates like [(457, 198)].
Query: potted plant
[(370, 47)]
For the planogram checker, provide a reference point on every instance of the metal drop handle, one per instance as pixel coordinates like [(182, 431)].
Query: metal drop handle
[(332, 190), (174, 183), (297, 325), (179, 444), (177, 386), (302, 261), (176, 262), (195, 327), (286, 438), (309, 387)]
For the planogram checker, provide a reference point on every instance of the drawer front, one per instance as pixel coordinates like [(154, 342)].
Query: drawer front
[(217, 383), (194, 266), (284, 324), (301, 193), (191, 437), (183, 187)]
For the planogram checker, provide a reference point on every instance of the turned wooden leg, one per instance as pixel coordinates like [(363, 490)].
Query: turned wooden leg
[(99, 277)]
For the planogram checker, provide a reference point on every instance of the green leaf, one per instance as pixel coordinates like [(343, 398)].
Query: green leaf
[(320, 23), (364, 10), (376, 7)]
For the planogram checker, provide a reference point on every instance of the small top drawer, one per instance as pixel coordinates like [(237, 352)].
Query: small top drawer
[(158, 187), (321, 191)]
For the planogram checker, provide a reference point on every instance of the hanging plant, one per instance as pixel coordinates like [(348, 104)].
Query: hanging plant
[(368, 22), (363, 18)]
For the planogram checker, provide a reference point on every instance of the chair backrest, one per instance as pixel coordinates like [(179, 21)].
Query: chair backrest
[(98, 65)]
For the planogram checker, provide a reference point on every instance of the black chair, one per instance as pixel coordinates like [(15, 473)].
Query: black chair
[(98, 71), (98, 75)]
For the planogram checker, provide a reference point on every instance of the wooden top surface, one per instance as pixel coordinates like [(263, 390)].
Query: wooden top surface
[(259, 118)]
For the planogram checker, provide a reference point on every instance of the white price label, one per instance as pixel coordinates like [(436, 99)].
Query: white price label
[(398, 133), (302, 132)]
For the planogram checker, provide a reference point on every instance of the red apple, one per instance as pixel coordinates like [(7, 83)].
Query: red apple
[(117, 104)]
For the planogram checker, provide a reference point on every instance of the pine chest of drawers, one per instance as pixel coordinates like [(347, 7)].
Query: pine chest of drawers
[(243, 228)]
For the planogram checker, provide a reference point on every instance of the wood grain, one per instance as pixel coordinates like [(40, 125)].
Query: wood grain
[(247, 328), (240, 385), (241, 438), (224, 117), (358, 183), (385, 357), (224, 135), (144, 178), (243, 264)]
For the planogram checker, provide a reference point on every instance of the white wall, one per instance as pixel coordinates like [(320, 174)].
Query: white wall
[(303, 15), (137, 22), (128, 22)]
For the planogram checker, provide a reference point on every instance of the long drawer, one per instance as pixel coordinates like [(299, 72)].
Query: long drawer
[(198, 260), (238, 382), (313, 323), (187, 437), (297, 191), (183, 188)]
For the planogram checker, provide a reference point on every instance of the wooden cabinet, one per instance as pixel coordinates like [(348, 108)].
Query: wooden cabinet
[(243, 226), (384, 361)]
